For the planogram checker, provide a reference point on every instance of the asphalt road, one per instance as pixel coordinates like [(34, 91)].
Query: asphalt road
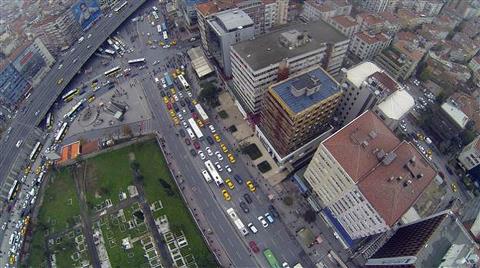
[(44, 95)]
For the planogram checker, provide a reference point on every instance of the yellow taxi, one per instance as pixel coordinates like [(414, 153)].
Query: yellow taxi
[(200, 123), (27, 170), (172, 99), (224, 147), (172, 113), (166, 99), (149, 42), (174, 42), (420, 136), (12, 259), (250, 186), (38, 170), (27, 220), (429, 152), (161, 43), (194, 102), (454, 187), (229, 183), (179, 72), (231, 158), (217, 137), (91, 98), (226, 195), (173, 90), (59, 81), (94, 84), (176, 121)]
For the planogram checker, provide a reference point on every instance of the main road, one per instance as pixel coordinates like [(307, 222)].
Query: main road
[(44, 95)]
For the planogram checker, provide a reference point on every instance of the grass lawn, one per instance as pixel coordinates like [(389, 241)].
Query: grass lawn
[(252, 151)]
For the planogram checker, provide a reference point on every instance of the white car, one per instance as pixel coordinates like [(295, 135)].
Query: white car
[(202, 155), (228, 169), (212, 128), (185, 124), (19, 143), (252, 228), (209, 151), (269, 217), (175, 97), (180, 116), (180, 94), (163, 81), (219, 156), (219, 167), (263, 221), (60, 66), (285, 265), (190, 94), (157, 80)]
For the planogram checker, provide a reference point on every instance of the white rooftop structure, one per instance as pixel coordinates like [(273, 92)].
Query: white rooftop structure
[(361, 72), (199, 62), (460, 118), (397, 104)]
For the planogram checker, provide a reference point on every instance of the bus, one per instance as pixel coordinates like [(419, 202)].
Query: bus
[(13, 190), (49, 121), (35, 151), (164, 26), (159, 29), (61, 132), (155, 15), (271, 258), (73, 110), (184, 82), (165, 35), (202, 113), (117, 9), (112, 71), (135, 61), (195, 128), (109, 51), (69, 96), (211, 169), (236, 220), (168, 80)]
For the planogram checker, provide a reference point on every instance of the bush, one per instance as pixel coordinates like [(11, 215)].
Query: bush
[(264, 166), (288, 201), (252, 151), (232, 129), (309, 216), (223, 114), (167, 187)]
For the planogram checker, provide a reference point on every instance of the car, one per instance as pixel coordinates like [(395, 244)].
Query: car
[(219, 156), (449, 170), (196, 144), (251, 186), (194, 102), (182, 133), (229, 183), (228, 169), (454, 187), (182, 103), (180, 94), (219, 167), (184, 124), (247, 198), (173, 90), (202, 155), (184, 111), (60, 66), (75, 60), (252, 228), (244, 207), (285, 265), (175, 97), (224, 147), (59, 81), (91, 99), (189, 94), (273, 211), (37, 112), (238, 179), (269, 217), (217, 137), (210, 140), (253, 246), (166, 100), (162, 93), (187, 141), (194, 115), (180, 116), (231, 158), (263, 221), (193, 152), (226, 195), (19, 143), (172, 113), (212, 128), (176, 121), (209, 151)]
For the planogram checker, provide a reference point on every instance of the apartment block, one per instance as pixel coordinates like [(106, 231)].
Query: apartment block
[(314, 9), (377, 6), (469, 158), (12, 85), (345, 24), (367, 45), (296, 115), (258, 63), (366, 179), (225, 29)]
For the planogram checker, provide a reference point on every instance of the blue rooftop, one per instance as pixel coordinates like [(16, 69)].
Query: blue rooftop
[(310, 88)]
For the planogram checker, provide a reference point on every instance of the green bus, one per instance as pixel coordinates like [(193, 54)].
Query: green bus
[(271, 258)]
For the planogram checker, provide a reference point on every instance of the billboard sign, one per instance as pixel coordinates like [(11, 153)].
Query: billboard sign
[(86, 12), (30, 62)]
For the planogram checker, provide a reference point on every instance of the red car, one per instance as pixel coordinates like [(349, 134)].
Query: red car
[(254, 247), (196, 144), (187, 141), (195, 116), (169, 106)]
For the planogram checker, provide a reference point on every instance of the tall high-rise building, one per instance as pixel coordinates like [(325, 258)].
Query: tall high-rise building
[(296, 114), (365, 178), (225, 29), (272, 57)]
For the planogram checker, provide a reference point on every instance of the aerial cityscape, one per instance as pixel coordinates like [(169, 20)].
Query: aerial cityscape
[(240, 133)]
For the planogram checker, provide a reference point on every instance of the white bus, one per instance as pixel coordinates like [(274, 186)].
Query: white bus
[(184, 82), (213, 172), (61, 132), (35, 151), (112, 71), (159, 29), (13, 190), (195, 128), (165, 35), (49, 121), (236, 220), (206, 176), (155, 15), (69, 95), (117, 9), (201, 113), (109, 51), (135, 61), (73, 110)]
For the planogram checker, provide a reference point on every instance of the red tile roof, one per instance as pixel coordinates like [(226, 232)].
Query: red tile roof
[(345, 21), (212, 7), (469, 106), (370, 19), (385, 81), (372, 38)]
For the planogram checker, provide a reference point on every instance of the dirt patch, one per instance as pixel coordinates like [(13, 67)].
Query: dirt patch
[(91, 179)]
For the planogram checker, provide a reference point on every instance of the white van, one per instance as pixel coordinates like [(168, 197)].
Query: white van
[(206, 176), (191, 134)]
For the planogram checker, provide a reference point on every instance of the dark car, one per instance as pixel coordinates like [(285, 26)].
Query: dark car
[(187, 141), (187, 100), (175, 107), (210, 140), (169, 94), (193, 152), (182, 103), (244, 207), (196, 144), (182, 132), (248, 198), (238, 179), (254, 246), (273, 211), (162, 93)]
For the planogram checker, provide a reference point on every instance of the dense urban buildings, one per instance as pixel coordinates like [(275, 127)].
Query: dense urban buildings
[(258, 63), (367, 45), (315, 10), (296, 115), (469, 158), (345, 24), (365, 178), (377, 6)]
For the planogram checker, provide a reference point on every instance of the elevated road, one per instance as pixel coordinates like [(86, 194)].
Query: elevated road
[(44, 95)]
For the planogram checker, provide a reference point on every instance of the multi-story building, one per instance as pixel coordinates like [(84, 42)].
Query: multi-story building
[(440, 240), (296, 115), (400, 60), (469, 158), (345, 24), (365, 85), (188, 11), (258, 63), (366, 45), (377, 6), (225, 29), (426, 7), (365, 179), (315, 10), (13, 86)]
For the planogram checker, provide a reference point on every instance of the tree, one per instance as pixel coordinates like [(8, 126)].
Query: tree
[(467, 136), (310, 216), (209, 93)]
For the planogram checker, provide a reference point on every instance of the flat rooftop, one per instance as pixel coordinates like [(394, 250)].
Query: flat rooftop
[(359, 73), (267, 49), (327, 86), (231, 20)]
